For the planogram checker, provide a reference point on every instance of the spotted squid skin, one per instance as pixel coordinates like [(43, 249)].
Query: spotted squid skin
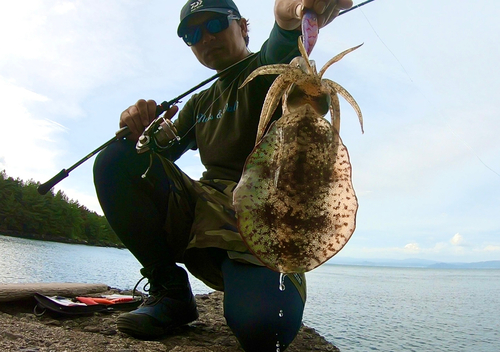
[(310, 30), (295, 203)]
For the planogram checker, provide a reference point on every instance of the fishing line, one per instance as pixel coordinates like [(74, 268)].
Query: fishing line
[(428, 100), (221, 94), (387, 47), (255, 56)]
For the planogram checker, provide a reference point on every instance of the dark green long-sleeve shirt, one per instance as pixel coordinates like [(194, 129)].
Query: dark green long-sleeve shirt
[(221, 121)]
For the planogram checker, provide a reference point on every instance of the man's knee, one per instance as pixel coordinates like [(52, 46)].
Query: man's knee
[(112, 156), (259, 314), (261, 330)]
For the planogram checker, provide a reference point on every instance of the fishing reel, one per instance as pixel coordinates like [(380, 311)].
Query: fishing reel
[(161, 134)]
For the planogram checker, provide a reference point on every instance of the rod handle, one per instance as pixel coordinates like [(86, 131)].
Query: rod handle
[(122, 133), (45, 187)]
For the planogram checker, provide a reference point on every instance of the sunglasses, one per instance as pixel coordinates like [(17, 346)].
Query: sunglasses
[(192, 34)]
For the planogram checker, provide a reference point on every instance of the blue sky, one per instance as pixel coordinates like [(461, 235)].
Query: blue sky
[(426, 171)]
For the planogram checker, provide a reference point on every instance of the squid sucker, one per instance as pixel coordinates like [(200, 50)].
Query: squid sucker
[(295, 203)]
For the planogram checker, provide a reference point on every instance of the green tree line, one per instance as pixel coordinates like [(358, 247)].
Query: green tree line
[(26, 213)]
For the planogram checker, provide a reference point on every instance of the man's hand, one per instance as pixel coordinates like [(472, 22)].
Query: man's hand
[(138, 116), (288, 13)]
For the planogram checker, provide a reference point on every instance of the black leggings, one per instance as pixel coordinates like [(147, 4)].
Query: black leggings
[(261, 316), (136, 208)]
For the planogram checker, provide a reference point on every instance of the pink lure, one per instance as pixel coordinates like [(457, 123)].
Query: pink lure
[(310, 30)]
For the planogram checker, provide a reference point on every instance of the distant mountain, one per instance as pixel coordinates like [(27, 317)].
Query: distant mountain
[(405, 263), (414, 263)]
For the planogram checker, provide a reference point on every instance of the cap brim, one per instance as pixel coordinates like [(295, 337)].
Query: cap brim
[(212, 9)]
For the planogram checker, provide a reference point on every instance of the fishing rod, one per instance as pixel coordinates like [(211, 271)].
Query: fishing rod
[(356, 6), (120, 134), (160, 128), (166, 127)]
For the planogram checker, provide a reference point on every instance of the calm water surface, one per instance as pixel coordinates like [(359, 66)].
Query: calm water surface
[(405, 309), (356, 308), (23, 260)]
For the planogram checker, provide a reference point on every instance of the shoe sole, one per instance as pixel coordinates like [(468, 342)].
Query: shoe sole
[(128, 323)]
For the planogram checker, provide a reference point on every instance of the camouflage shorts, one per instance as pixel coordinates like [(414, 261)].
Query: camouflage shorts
[(201, 216)]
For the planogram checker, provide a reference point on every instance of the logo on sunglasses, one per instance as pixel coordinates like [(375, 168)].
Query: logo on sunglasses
[(197, 4)]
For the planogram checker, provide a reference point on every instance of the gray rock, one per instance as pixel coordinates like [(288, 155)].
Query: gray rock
[(98, 332)]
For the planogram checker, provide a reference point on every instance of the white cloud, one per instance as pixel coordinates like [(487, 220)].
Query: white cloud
[(452, 251), (456, 240), (412, 248), (190, 163), (438, 248), (63, 7), (88, 200), (66, 49), (491, 248), (54, 55), (25, 142)]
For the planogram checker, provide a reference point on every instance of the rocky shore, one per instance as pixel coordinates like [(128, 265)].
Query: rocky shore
[(21, 330)]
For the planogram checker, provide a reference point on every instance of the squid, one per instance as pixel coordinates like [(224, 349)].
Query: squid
[(295, 203)]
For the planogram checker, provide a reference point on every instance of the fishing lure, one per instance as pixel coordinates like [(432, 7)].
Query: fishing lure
[(295, 202), (310, 30)]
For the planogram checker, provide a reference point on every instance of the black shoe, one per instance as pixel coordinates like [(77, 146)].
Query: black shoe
[(169, 305)]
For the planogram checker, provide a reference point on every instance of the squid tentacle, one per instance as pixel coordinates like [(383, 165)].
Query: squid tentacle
[(336, 59), (266, 70), (348, 97), (274, 94), (335, 112)]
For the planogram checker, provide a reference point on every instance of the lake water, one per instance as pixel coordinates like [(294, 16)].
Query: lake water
[(356, 308)]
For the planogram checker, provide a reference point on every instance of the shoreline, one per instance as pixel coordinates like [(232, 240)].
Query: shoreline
[(60, 239), (21, 330)]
